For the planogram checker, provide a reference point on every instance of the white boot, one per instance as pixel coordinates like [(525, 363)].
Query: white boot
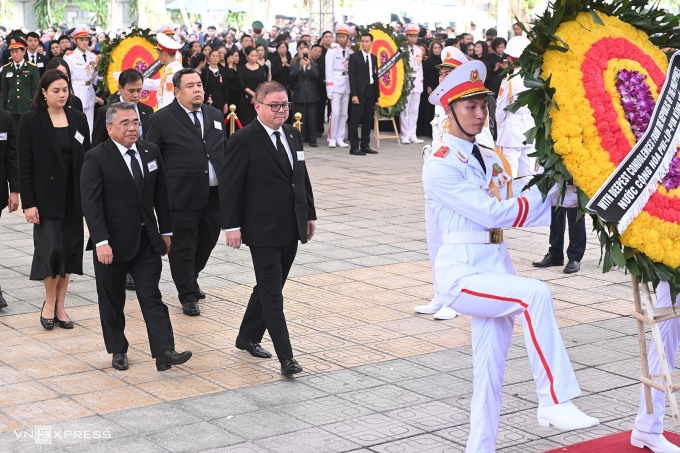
[(445, 313), (655, 442), (428, 309), (565, 416)]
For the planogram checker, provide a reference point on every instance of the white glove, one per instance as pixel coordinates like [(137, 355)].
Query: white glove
[(330, 96), (570, 197), (427, 150), (116, 76)]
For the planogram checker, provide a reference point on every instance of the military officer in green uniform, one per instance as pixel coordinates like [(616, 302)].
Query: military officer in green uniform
[(18, 82)]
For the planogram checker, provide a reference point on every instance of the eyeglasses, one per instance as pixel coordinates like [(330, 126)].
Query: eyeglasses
[(127, 123), (276, 107)]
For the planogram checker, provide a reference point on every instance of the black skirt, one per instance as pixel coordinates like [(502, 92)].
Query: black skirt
[(58, 248)]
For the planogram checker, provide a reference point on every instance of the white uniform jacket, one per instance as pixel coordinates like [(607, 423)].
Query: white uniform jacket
[(512, 126), (337, 80), (83, 75), (416, 63), (165, 90), (465, 199)]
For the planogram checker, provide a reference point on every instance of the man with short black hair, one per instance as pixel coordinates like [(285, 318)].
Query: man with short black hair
[(245, 42), (191, 138), (364, 92), (212, 40), (32, 54)]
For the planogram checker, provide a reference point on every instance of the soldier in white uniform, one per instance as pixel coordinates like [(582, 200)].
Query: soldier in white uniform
[(648, 428), (409, 116), (469, 188), (165, 90), (512, 126), (452, 57), (84, 76), (337, 86)]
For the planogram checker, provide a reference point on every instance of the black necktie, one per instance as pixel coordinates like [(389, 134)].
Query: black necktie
[(343, 53), (32, 58), (283, 155), (137, 174), (478, 156), (85, 58), (368, 68), (197, 123)]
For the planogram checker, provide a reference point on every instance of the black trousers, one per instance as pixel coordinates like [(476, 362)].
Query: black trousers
[(265, 307), (309, 118), (194, 235), (577, 234), (363, 114), (145, 268)]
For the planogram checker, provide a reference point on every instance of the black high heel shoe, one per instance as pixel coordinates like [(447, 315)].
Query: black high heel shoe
[(47, 323), (63, 324)]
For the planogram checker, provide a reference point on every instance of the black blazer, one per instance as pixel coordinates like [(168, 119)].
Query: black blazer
[(269, 202), (9, 172), (99, 133), (186, 154), (40, 62), (114, 209), (41, 167), (358, 76), (304, 83)]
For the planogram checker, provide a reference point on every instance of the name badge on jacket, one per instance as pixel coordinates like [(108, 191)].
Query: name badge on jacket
[(300, 155), (153, 166), (3, 136), (80, 137)]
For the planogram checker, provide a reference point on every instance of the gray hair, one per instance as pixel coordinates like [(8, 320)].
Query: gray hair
[(115, 108)]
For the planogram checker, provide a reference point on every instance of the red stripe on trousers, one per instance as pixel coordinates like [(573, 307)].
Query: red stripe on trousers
[(531, 332), (526, 211), (519, 214)]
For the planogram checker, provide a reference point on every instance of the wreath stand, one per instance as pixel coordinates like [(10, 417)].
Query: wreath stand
[(651, 316), (376, 129)]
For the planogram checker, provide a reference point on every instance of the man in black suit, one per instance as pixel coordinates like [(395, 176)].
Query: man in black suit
[(191, 139), (125, 203), (9, 172), (32, 54), (267, 203), (364, 92), (130, 89)]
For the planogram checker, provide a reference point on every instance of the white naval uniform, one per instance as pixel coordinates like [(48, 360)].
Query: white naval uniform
[(480, 281), (84, 79), (440, 128), (165, 90), (512, 126), (670, 336), (337, 85), (408, 118)]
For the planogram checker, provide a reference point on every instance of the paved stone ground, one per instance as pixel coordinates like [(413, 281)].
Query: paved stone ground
[(377, 376)]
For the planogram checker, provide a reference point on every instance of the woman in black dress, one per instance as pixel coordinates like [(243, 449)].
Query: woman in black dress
[(281, 62), (52, 141), (495, 64), (231, 69), (430, 82), (214, 78), (58, 63), (250, 75)]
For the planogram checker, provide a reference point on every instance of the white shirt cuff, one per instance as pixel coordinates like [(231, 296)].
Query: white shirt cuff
[(99, 244), (232, 229)]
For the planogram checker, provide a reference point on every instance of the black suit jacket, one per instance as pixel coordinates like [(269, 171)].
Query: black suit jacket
[(9, 171), (304, 83), (114, 209), (41, 167), (40, 61), (358, 76), (269, 202), (99, 133), (186, 153)]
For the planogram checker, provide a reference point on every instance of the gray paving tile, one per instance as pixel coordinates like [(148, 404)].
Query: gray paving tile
[(432, 416), (340, 381), (372, 430), (567, 438), (426, 443), (280, 392), (151, 418), (447, 360), (437, 386), (384, 398), (135, 443), (260, 424), (508, 435), (218, 405), (536, 446), (595, 380), (325, 410), (395, 370), (245, 447), (310, 440), (193, 437)]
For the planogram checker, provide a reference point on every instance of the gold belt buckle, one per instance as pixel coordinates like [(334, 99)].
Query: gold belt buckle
[(87, 83), (495, 236)]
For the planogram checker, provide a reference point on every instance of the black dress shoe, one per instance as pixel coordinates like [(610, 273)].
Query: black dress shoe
[(166, 360), (201, 294), (120, 361), (290, 367), (356, 152), (129, 282), (63, 324), (572, 267), (191, 309), (314, 145), (3, 302), (547, 261), (369, 151), (47, 323), (253, 348)]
